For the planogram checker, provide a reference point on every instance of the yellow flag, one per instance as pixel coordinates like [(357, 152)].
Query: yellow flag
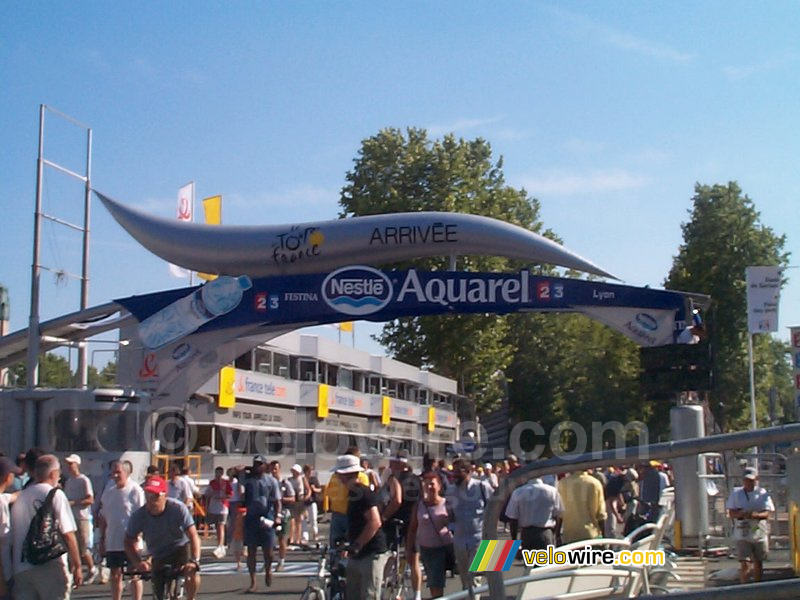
[(431, 418), (386, 411), (346, 326), (212, 207), (227, 381), (322, 401)]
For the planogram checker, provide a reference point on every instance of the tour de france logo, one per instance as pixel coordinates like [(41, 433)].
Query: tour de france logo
[(357, 291)]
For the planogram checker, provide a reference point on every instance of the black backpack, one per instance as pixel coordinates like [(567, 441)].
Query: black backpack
[(44, 540)]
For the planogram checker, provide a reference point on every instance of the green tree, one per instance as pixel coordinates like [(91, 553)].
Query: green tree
[(107, 377), (571, 368), (404, 172), (54, 372), (723, 236)]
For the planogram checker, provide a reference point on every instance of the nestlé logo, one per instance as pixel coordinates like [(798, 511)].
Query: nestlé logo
[(357, 291)]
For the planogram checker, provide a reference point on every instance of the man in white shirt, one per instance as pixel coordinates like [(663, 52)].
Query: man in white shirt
[(80, 494), (51, 580), (749, 507), (8, 471), (117, 505), (537, 507), (178, 488)]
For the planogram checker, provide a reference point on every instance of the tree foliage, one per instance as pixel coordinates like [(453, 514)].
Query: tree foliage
[(723, 236), (406, 172), (55, 372)]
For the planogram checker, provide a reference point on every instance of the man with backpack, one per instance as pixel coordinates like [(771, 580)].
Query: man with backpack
[(466, 503), (43, 537)]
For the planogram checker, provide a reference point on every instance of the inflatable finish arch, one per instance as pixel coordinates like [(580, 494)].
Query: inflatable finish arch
[(261, 251), (277, 278)]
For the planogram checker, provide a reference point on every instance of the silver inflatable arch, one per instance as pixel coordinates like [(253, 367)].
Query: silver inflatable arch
[(316, 247)]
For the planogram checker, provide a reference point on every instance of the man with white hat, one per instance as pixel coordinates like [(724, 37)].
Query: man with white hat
[(367, 554), (80, 494), (749, 506)]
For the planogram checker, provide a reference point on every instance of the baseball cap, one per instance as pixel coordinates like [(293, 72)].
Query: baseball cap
[(155, 485), (347, 463), (297, 468), (7, 466), (750, 473), (73, 458), (401, 456), (260, 458)]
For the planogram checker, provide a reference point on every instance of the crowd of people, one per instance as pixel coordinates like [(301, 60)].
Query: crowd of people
[(435, 518)]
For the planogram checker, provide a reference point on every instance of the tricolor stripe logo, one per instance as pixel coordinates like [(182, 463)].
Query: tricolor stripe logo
[(495, 555)]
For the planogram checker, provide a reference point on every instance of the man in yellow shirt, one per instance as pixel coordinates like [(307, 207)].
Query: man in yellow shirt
[(584, 507), (336, 494)]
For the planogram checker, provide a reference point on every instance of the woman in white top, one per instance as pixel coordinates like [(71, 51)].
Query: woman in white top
[(428, 528)]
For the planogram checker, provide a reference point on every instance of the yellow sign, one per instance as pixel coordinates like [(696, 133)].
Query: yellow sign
[(431, 418), (213, 209), (322, 401), (386, 411), (227, 383)]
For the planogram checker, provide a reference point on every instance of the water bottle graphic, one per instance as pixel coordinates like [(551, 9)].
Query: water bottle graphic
[(186, 315)]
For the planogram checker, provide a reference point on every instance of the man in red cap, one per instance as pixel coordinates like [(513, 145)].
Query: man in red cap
[(171, 537)]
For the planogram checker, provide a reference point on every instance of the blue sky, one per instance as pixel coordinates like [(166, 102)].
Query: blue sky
[(607, 112)]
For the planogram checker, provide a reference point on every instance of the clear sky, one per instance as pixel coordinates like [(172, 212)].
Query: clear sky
[(607, 112)]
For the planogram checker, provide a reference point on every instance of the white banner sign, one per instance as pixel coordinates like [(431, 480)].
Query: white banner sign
[(763, 295), (184, 212)]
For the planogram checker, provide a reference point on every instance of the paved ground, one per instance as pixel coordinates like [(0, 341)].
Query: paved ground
[(221, 581)]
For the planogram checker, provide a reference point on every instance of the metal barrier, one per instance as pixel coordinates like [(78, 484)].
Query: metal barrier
[(621, 456), (774, 590), (723, 472)]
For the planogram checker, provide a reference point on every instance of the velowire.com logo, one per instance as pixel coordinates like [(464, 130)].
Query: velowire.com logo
[(495, 555)]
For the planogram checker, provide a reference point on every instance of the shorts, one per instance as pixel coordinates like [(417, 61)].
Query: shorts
[(297, 509), (178, 558), (755, 549), (435, 562), (258, 534), (117, 559), (216, 519), (84, 536)]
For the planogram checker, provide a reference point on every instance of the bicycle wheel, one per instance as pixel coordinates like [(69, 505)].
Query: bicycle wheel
[(392, 580), (313, 593)]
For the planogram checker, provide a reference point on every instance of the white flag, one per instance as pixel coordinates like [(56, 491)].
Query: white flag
[(185, 210), (763, 296)]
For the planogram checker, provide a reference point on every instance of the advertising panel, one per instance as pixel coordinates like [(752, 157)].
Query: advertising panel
[(795, 349), (645, 315)]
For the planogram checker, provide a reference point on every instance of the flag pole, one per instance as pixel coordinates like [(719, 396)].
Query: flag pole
[(191, 273)]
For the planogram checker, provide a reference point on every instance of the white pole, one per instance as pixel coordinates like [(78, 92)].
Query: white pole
[(753, 420)]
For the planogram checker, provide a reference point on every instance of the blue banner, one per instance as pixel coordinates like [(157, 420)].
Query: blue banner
[(648, 316)]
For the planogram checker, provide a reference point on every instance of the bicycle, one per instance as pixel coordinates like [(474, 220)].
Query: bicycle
[(174, 581), (396, 573), (330, 581)]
